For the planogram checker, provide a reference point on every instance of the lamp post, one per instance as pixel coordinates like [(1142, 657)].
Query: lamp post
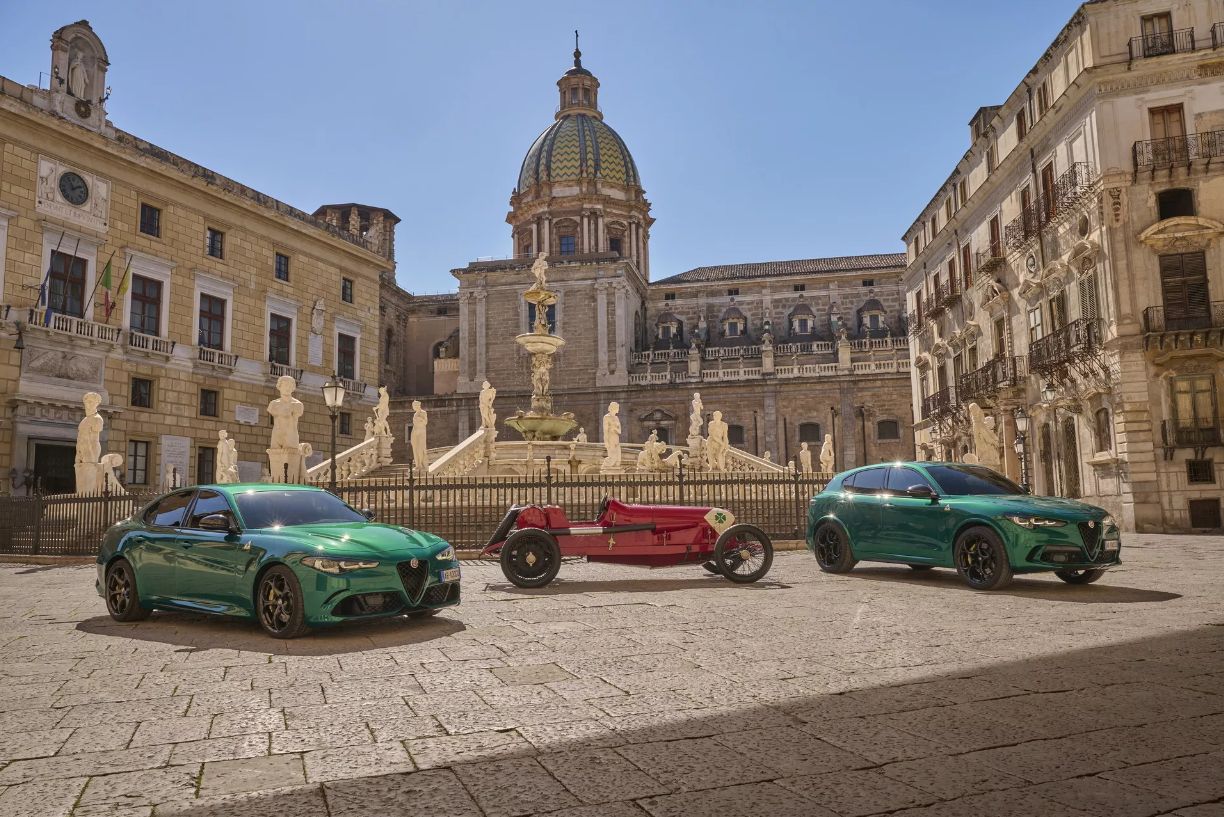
[(333, 395), (1022, 424)]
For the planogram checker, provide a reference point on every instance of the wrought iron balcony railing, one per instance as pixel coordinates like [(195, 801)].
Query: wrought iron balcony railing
[(938, 303), (1156, 320), (985, 382), (1026, 225), (1070, 344), (1199, 432), (940, 403), (1162, 43), (1178, 150), (948, 294), (989, 259), (914, 321), (1069, 189)]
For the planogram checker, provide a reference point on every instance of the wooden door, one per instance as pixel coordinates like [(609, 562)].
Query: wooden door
[(1157, 34), (996, 242), (1168, 129), (1047, 190)]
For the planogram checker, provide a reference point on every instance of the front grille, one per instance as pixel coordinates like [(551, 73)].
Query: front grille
[(441, 593), (414, 578), (1091, 533), (367, 604)]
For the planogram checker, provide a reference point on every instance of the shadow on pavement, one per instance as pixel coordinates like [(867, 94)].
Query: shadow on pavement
[(1028, 587), (561, 587), (201, 632)]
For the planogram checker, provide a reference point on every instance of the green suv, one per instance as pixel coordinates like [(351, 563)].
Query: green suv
[(947, 514)]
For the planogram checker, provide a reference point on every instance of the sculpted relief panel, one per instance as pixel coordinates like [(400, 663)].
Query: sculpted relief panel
[(63, 365), (72, 195)]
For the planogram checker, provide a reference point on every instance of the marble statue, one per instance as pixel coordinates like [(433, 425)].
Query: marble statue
[(420, 451), (488, 418), (611, 438), (369, 430), (827, 459), (540, 365), (703, 329), (581, 436), (78, 77), (540, 270), (316, 317), (696, 417), (767, 456), (985, 437), (227, 459), (650, 457), (382, 410), (110, 467), (994, 288), (286, 410), (89, 447), (716, 443), (805, 458)]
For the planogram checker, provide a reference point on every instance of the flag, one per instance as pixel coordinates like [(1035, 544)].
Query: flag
[(123, 286), (104, 280), (106, 272)]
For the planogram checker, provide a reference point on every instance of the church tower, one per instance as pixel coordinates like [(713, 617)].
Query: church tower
[(578, 192)]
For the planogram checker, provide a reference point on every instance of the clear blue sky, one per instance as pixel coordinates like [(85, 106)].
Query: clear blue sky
[(762, 131)]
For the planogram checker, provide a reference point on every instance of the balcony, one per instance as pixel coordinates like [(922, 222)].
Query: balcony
[(939, 404), (1074, 187), (280, 369), (1200, 327), (150, 344), (989, 260), (354, 388), (985, 382), (1197, 433), (1162, 43), (914, 321), (948, 294), (1071, 344), (1178, 150), (62, 324), (1026, 226), (216, 357)]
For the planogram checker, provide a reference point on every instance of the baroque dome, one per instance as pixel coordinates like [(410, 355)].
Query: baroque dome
[(578, 146)]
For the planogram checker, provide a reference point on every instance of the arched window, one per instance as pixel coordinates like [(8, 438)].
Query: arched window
[(809, 433), (735, 434), (1104, 429), (888, 430)]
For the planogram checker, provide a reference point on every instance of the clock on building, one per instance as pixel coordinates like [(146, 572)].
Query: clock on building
[(73, 188)]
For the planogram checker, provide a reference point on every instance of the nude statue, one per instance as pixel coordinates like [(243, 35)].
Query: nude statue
[(717, 443), (488, 418), (382, 428), (985, 437), (611, 435), (827, 458), (89, 431), (805, 458), (540, 270), (581, 436), (650, 457), (369, 429), (695, 416), (286, 410), (227, 459), (110, 465), (420, 450)]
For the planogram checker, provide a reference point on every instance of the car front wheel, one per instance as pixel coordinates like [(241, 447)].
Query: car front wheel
[(743, 554), (833, 553), (1079, 576), (981, 559), (122, 597), (530, 558), (278, 604)]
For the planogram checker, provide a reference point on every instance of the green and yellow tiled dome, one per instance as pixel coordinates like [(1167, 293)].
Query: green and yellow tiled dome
[(578, 146)]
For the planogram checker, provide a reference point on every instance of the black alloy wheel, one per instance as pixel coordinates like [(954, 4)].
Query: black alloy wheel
[(743, 554), (530, 558), (122, 597), (981, 559), (833, 553), (1072, 576), (278, 604)]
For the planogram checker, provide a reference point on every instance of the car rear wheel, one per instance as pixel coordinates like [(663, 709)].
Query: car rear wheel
[(122, 597), (530, 558), (278, 604), (981, 559), (1079, 576), (743, 554), (833, 553)]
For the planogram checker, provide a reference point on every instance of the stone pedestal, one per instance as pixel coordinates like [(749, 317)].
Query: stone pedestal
[(694, 449), (844, 362), (88, 478), (383, 444), (286, 465), (694, 364), (767, 360)]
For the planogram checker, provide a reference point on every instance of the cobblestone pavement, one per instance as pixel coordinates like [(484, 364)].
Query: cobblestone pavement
[(622, 692)]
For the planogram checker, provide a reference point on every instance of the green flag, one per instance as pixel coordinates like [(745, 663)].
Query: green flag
[(106, 273)]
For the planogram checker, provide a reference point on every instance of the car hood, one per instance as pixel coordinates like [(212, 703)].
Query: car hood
[(1051, 506), (361, 538)]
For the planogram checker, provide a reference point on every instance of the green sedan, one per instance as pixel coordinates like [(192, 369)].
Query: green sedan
[(290, 556), (946, 514)]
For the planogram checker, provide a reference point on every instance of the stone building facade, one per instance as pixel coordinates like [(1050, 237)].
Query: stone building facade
[(787, 350), (1067, 267), (216, 290)]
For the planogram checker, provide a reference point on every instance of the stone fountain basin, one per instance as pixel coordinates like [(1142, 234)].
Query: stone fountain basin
[(539, 344), (542, 426)]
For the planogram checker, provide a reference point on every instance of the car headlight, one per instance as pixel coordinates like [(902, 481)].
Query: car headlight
[(445, 555), (1031, 522), (1110, 526), (335, 566)]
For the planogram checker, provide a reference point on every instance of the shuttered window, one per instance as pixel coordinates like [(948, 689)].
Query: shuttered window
[(1089, 305), (967, 266), (1183, 283), (1194, 401)]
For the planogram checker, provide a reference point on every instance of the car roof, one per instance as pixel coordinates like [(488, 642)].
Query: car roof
[(246, 487)]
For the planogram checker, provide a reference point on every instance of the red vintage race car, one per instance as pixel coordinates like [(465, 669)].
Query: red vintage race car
[(531, 540)]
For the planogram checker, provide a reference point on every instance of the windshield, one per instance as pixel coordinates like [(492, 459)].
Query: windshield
[(971, 480), (270, 509)]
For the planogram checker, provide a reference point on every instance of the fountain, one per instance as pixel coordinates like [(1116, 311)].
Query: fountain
[(539, 423)]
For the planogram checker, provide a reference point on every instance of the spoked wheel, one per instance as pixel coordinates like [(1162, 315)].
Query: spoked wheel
[(278, 604), (122, 597), (1079, 576), (743, 554), (710, 567), (981, 559), (530, 558), (833, 553)]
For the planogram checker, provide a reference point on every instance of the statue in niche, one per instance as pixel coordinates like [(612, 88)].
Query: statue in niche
[(420, 450), (985, 437), (78, 77), (827, 459), (382, 427), (316, 317), (611, 438), (286, 410), (805, 458), (227, 459), (717, 443), (488, 418)]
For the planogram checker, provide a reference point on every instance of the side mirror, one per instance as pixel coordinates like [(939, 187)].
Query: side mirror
[(922, 492), (368, 513), (220, 522)]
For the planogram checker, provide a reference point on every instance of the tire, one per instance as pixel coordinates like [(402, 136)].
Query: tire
[(921, 568), (530, 558), (981, 559), (710, 567), (743, 554), (1079, 576), (833, 553), (122, 595), (279, 603)]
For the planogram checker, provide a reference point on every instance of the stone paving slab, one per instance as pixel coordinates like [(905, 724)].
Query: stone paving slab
[(621, 693)]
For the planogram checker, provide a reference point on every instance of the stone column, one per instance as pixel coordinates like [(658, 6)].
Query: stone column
[(481, 333), (584, 233), (622, 334), (465, 298), (601, 328), (535, 238), (601, 238), (547, 246), (645, 265)]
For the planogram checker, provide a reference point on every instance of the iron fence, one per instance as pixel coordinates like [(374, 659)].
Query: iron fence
[(1178, 150), (462, 510)]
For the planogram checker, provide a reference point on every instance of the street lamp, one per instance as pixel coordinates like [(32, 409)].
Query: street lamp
[(1047, 392), (1022, 425), (333, 395)]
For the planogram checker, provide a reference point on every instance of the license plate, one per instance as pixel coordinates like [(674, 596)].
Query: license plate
[(450, 574), (1112, 546)]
